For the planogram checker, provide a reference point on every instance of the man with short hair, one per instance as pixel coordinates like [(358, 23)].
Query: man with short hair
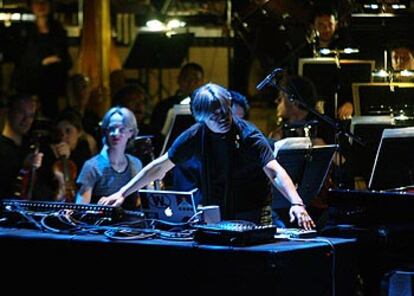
[(191, 77), (402, 58), (14, 153)]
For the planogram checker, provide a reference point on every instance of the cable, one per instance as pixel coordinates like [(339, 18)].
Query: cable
[(128, 234), (177, 236)]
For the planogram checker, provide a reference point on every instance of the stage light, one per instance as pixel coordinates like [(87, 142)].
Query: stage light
[(398, 6), (406, 73), (175, 24), (325, 51), (349, 50), (371, 6), (381, 73), (155, 25)]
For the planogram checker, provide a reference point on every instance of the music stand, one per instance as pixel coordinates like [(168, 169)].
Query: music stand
[(382, 98), (160, 51), (394, 162), (329, 78), (178, 119), (308, 168)]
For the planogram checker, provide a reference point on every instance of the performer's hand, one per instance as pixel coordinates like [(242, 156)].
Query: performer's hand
[(62, 149), (33, 160), (304, 220), (115, 200)]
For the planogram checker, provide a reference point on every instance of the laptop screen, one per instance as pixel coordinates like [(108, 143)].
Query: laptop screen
[(166, 205)]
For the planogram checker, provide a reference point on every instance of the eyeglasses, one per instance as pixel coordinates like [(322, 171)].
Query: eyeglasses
[(119, 129)]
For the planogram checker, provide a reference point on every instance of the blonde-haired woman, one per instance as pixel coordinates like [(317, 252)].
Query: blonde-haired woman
[(108, 171)]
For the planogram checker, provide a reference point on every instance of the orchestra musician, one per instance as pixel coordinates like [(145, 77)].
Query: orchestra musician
[(234, 157), (292, 119), (329, 35), (107, 171), (402, 56), (402, 61), (64, 154), (15, 154)]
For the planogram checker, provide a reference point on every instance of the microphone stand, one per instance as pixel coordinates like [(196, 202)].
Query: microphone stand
[(339, 129)]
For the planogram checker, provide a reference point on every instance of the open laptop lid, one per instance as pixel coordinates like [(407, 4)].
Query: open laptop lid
[(167, 205)]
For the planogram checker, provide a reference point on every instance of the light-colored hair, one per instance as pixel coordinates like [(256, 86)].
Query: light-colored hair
[(208, 98), (128, 120)]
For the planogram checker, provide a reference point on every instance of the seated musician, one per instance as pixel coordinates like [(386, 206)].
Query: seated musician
[(402, 59), (15, 154), (331, 36), (108, 171), (292, 119), (69, 147)]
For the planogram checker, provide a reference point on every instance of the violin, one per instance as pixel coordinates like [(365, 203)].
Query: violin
[(66, 171), (25, 180)]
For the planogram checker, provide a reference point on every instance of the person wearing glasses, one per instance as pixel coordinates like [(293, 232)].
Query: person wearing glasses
[(106, 172)]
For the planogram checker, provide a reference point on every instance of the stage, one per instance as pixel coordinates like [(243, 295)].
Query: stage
[(41, 262)]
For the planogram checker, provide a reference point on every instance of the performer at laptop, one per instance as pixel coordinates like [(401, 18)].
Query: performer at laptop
[(109, 170), (234, 159)]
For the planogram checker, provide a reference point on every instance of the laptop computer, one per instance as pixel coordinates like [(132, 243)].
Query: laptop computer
[(168, 205)]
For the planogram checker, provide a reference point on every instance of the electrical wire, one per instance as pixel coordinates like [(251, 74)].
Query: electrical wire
[(327, 241)]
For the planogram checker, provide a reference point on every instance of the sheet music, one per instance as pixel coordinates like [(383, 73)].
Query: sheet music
[(405, 132)]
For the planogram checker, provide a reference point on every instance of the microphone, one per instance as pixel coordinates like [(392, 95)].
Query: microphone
[(268, 79)]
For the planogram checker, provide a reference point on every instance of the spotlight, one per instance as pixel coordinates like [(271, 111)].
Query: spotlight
[(155, 25)]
